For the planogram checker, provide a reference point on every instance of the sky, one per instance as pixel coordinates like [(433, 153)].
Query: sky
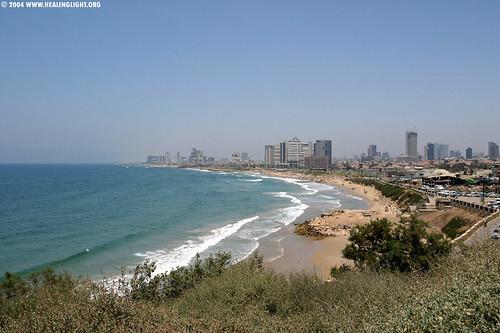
[(133, 78)]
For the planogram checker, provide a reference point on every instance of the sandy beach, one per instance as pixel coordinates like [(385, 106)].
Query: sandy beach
[(320, 254)]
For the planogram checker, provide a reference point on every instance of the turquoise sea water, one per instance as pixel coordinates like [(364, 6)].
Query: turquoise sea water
[(93, 219)]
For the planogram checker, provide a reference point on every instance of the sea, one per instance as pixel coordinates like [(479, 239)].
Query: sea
[(95, 220)]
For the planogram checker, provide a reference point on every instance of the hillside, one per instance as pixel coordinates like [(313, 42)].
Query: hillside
[(462, 294)]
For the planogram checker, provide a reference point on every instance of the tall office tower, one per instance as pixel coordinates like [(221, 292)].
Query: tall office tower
[(277, 154), (443, 151), (283, 153), (468, 153), (307, 149), (430, 152), (269, 155), (196, 157), (455, 153), (372, 151), (323, 148), (244, 157), (294, 152), (411, 144), (436, 151), (492, 150)]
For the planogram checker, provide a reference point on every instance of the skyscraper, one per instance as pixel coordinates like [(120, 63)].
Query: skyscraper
[(196, 157), (372, 151), (322, 158), (436, 151), (429, 151), (294, 152), (492, 150), (269, 155), (468, 153), (411, 144)]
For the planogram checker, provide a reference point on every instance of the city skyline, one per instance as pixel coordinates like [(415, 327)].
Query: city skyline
[(85, 87)]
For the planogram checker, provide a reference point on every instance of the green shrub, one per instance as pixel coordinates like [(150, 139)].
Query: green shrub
[(337, 271), (456, 227), (459, 295), (396, 193), (143, 286), (407, 247)]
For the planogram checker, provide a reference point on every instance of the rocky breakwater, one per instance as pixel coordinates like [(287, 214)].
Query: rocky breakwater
[(324, 226)]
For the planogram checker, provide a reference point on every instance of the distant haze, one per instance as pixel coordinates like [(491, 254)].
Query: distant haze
[(135, 78)]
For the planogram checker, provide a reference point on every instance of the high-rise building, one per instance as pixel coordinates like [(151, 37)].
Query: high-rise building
[(372, 151), (277, 154), (492, 150), (429, 152), (269, 155), (468, 153), (321, 157), (196, 157), (443, 151), (283, 154), (324, 148), (436, 151), (411, 144), (290, 153), (455, 154), (293, 152)]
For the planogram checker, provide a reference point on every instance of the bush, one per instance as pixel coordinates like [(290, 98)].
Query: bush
[(396, 193), (456, 227), (459, 295), (337, 271), (405, 248), (143, 286)]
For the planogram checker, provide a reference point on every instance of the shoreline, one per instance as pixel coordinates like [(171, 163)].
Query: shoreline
[(303, 253), (285, 251)]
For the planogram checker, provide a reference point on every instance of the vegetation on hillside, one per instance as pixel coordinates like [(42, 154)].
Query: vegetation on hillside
[(458, 292), (407, 247), (403, 197), (456, 227)]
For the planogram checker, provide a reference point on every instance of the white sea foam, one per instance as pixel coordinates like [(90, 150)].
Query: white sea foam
[(353, 197), (199, 170), (182, 255), (293, 199), (251, 180), (289, 214)]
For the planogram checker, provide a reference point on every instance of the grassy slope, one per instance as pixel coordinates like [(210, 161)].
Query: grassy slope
[(463, 294)]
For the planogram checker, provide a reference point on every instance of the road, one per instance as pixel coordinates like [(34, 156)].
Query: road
[(484, 232)]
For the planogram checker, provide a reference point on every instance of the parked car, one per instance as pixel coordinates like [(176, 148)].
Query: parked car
[(495, 236)]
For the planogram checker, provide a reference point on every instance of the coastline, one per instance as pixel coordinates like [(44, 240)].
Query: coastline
[(301, 253)]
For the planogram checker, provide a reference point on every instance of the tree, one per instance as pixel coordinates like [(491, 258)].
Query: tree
[(407, 247)]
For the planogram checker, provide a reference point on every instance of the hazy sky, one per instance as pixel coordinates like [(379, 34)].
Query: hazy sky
[(140, 77)]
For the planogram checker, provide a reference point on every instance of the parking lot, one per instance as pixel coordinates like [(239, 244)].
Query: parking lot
[(491, 199)]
